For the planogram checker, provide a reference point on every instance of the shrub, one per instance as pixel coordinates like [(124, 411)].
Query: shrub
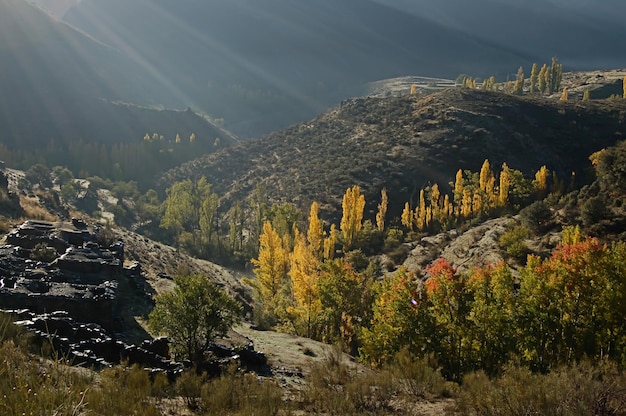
[(420, 377), (537, 216), (593, 211), (583, 389), (512, 242), (236, 393)]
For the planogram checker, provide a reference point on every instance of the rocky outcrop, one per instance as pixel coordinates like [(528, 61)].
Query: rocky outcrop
[(475, 247)]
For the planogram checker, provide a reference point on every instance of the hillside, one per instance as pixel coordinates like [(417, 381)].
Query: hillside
[(403, 143), (60, 85), (584, 34), (262, 65)]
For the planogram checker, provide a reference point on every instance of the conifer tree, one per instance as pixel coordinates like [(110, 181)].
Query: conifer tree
[(534, 78), (351, 222), (382, 211)]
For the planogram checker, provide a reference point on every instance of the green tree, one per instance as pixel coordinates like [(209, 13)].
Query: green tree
[(193, 315)]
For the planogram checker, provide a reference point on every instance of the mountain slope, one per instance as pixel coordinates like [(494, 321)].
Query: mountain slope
[(264, 64), (55, 80), (405, 143), (584, 34)]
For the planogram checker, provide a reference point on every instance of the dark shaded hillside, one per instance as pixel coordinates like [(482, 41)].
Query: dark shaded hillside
[(403, 143), (55, 79), (263, 64)]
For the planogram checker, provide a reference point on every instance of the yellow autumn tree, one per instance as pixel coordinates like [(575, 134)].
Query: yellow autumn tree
[(564, 94), (315, 233), (407, 217), (540, 184), (382, 210), (458, 187), (486, 174), (466, 204), (330, 242), (624, 86), (352, 220), (304, 273), (413, 89), (505, 184), (270, 268)]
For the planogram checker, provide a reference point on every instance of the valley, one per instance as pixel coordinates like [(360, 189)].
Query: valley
[(344, 207)]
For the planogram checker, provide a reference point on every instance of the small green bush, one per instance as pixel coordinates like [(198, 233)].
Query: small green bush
[(512, 242)]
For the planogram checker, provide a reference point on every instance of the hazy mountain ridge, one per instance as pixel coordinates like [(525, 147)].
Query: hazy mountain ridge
[(404, 143), (267, 64)]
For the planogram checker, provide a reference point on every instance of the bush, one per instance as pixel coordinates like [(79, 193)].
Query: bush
[(236, 393), (583, 389), (512, 242), (420, 377), (537, 216), (593, 211)]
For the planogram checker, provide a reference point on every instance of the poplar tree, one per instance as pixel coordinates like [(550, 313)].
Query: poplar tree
[(458, 187), (544, 79), (624, 86), (382, 210), (556, 75), (505, 183), (586, 95), (534, 78), (519, 82), (407, 217), (351, 222), (564, 94), (330, 242), (304, 273), (315, 233), (270, 268)]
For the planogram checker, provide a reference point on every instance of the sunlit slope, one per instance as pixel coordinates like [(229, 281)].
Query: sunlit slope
[(262, 64), (406, 143)]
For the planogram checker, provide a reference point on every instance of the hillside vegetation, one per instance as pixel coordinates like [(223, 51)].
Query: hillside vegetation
[(405, 143)]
